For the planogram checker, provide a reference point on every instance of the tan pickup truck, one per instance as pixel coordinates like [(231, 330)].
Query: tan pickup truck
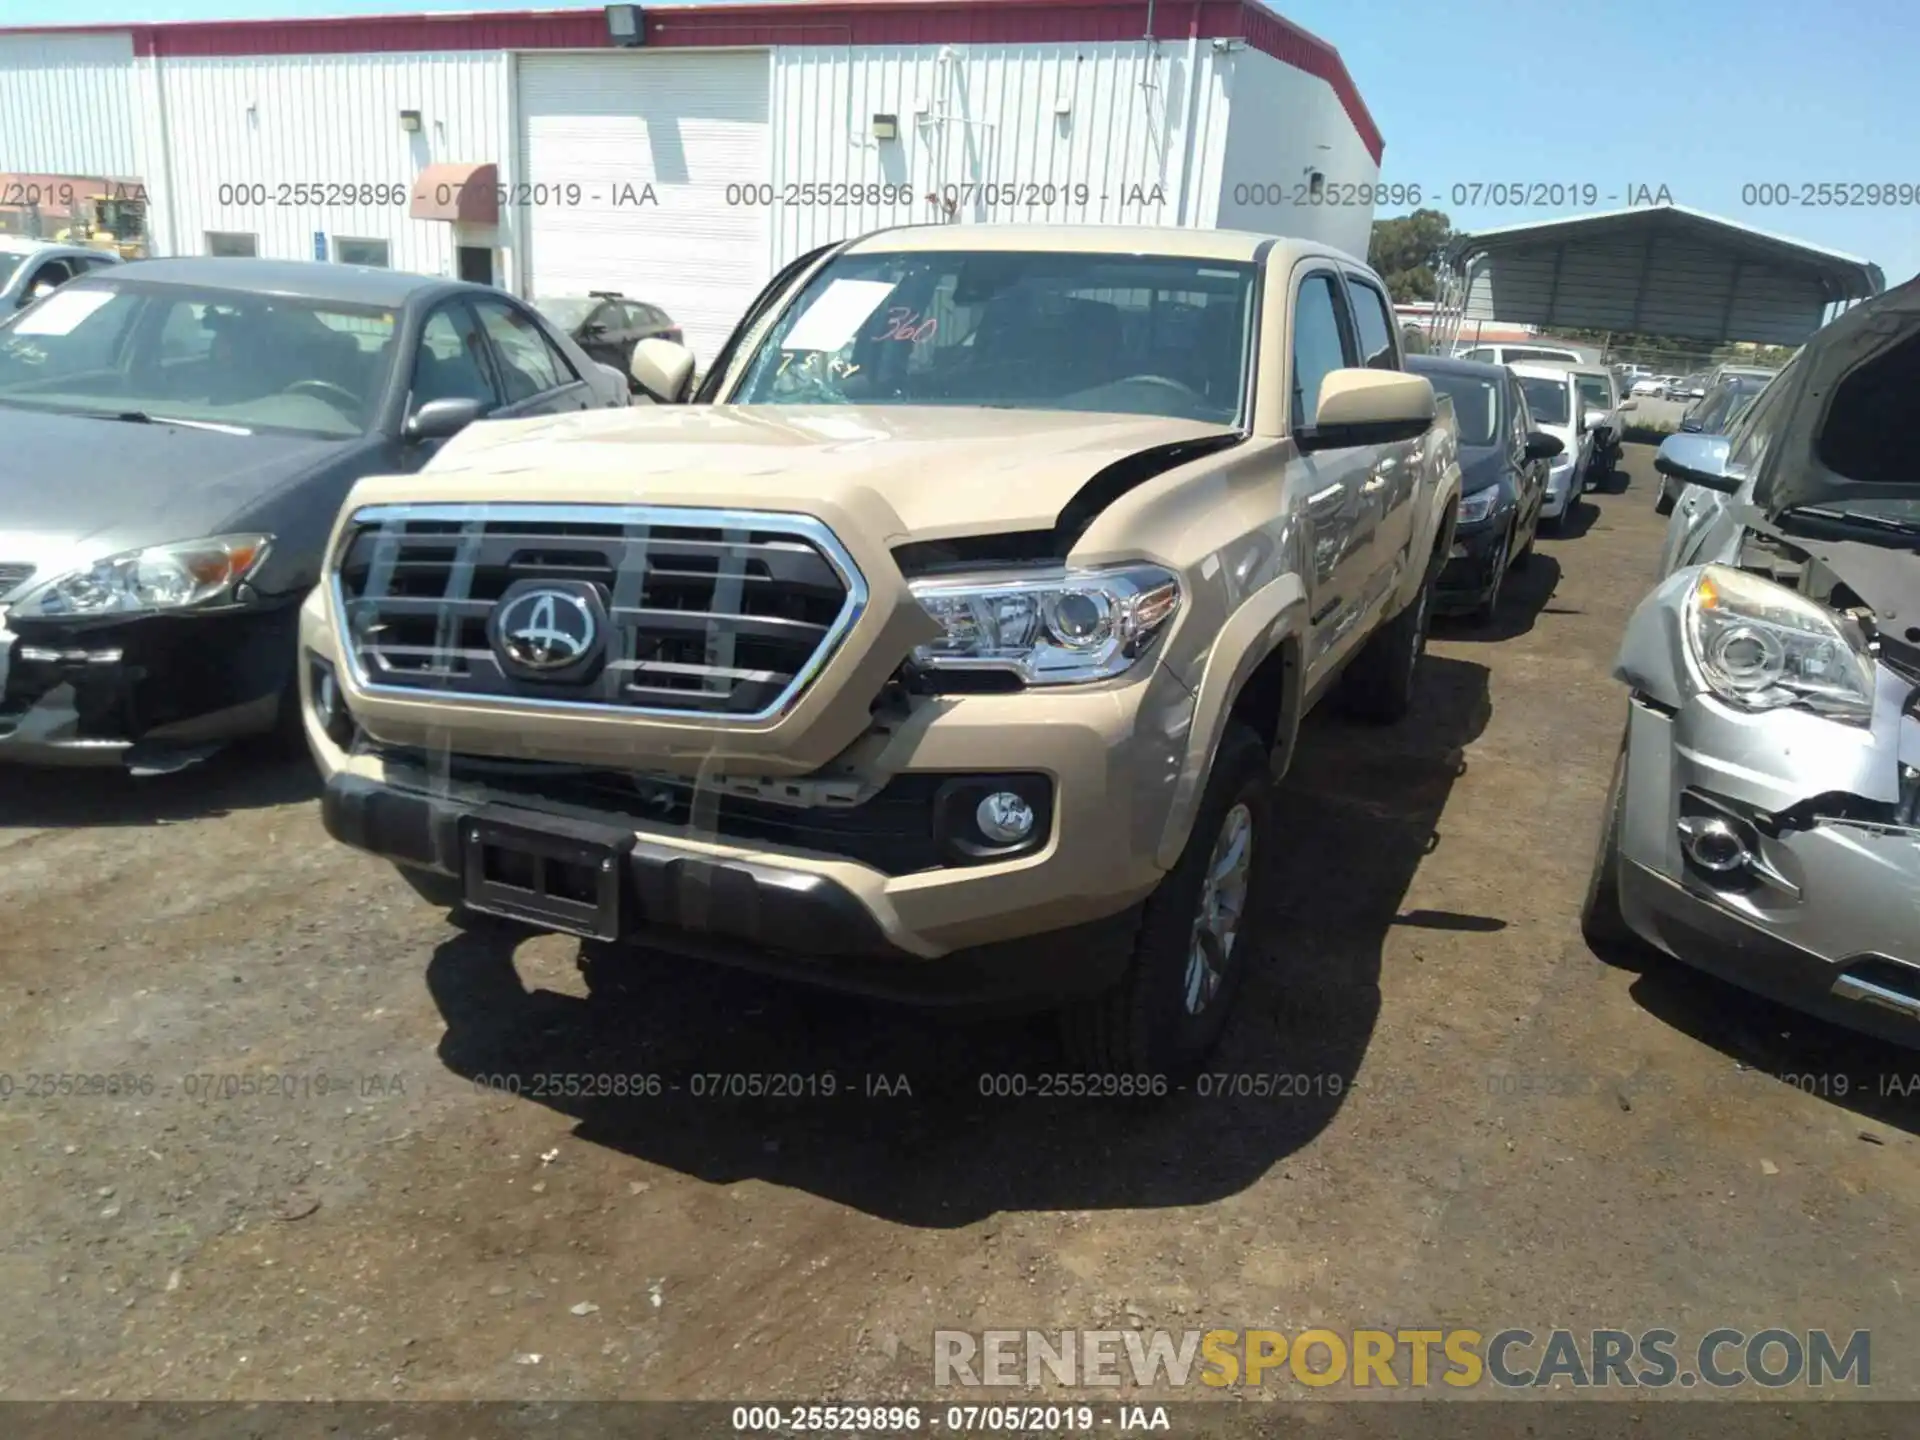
[(946, 644)]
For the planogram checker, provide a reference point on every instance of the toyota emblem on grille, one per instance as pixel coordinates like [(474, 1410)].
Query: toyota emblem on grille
[(547, 628)]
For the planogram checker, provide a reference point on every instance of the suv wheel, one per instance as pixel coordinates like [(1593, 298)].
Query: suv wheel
[(1194, 936), (1602, 922), (1378, 685)]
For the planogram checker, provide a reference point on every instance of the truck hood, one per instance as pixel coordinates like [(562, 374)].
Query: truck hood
[(941, 471), (1868, 333)]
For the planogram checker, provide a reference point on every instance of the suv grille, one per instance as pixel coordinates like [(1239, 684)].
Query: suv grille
[(12, 577), (719, 612)]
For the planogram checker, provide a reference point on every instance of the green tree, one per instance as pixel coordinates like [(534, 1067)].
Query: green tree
[(1406, 250)]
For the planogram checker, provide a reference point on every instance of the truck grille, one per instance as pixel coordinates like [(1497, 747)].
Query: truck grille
[(12, 577), (718, 612)]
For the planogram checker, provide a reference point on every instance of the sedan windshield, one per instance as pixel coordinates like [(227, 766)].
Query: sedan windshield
[(1476, 405), (1042, 330), (1546, 399), (220, 357)]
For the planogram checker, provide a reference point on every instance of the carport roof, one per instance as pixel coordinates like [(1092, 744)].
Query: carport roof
[(1657, 270)]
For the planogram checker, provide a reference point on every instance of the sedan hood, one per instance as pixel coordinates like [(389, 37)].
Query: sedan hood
[(1869, 333), (74, 490), (941, 471)]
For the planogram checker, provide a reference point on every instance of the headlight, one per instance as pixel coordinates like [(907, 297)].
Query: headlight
[(1058, 628), (1479, 505), (1759, 646), (160, 577)]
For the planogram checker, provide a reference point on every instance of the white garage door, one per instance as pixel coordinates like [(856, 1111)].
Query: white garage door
[(689, 125)]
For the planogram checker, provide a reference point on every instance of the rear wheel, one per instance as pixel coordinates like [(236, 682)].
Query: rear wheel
[(1195, 934), (1378, 685)]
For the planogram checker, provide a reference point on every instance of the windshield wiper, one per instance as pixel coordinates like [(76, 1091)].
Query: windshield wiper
[(141, 417), (1820, 513)]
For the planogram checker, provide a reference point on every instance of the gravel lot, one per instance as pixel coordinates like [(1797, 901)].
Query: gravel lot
[(1498, 1128)]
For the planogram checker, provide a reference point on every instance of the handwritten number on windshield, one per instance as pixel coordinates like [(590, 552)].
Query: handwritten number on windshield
[(904, 324)]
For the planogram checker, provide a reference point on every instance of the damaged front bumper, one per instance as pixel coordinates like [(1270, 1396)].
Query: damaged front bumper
[(143, 691), (1781, 851)]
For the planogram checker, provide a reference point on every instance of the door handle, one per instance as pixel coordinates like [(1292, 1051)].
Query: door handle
[(1374, 483)]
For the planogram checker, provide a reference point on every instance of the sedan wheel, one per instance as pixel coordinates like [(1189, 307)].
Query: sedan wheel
[(1484, 612)]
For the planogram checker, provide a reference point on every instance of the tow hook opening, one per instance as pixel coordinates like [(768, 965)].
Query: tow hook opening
[(1882, 981)]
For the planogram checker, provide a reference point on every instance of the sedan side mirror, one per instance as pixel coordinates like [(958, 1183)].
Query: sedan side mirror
[(662, 370), (1542, 446), (1697, 460), (438, 419), (1629, 404)]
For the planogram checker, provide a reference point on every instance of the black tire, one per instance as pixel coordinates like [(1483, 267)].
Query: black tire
[(1378, 684), (1602, 922), (1483, 614), (1144, 1024), (1663, 502)]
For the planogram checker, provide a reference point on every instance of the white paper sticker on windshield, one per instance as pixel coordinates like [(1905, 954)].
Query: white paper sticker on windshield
[(61, 311), (831, 321)]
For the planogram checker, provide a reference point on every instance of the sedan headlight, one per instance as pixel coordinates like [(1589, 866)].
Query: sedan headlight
[(160, 577), (1760, 646), (1478, 506), (1058, 628)]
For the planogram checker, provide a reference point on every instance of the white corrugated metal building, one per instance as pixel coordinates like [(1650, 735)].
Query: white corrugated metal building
[(533, 150)]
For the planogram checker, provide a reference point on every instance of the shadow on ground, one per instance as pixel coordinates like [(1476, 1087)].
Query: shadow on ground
[(233, 780), (950, 1152), (1523, 598)]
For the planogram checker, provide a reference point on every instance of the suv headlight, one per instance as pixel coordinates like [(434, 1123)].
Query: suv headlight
[(1759, 646), (1479, 505), (159, 577), (1055, 628)]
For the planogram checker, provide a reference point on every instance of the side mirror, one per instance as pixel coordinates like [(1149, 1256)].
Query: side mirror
[(1367, 407), (42, 290), (1697, 460), (662, 370), (1629, 404), (438, 419), (1542, 446), (1592, 419)]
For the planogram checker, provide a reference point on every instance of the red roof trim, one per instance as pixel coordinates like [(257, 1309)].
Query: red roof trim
[(816, 22)]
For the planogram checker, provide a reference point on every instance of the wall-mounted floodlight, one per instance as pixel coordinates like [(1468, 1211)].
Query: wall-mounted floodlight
[(625, 26), (886, 127), (410, 121)]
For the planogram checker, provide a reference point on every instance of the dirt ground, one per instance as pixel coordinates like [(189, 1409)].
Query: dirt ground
[(1497, 1127)]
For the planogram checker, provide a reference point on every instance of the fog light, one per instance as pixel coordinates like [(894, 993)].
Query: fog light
[(1714, 845), (1004, 818)]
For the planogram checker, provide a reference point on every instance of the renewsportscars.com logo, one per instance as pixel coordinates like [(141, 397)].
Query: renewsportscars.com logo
[(1409, 1358)]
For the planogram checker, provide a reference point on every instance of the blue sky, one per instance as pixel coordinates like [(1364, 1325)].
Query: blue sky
[(1701, 96)]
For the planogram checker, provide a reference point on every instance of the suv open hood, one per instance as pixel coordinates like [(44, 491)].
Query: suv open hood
[(943, 471), (1794, 473)]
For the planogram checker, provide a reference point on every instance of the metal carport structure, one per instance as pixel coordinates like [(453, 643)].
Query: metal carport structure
[(1651, 270)]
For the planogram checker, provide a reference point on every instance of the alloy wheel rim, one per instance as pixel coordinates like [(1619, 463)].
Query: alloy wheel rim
[(1222, 908)]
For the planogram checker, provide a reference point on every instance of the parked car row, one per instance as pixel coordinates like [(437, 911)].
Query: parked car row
[(1763, 822)]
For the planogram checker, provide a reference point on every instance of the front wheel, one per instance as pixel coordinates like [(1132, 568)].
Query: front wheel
[(1195, 934), (1603, 924), (1489, 605), (1663, 503)]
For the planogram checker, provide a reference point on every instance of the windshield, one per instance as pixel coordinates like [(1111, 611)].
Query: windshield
[(178, 352), (1039, 330), (567, 312), (1595, 391), (1476, 405), (1546, 399)]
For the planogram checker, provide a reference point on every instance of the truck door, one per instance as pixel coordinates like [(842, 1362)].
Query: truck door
[(1391, 487), (1329, 483)]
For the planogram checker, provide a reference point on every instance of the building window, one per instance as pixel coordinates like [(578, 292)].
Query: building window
[(226, 242), (360, 252)]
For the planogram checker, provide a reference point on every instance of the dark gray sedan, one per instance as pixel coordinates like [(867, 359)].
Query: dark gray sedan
[(178, 437)]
